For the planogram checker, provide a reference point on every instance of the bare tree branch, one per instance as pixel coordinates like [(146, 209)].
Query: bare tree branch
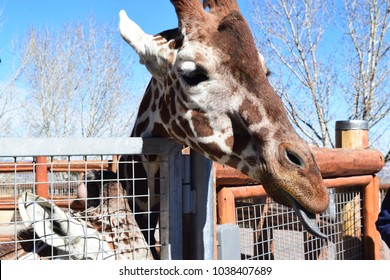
[(310, 81), (368, 24), (291, 33), (78, 80)]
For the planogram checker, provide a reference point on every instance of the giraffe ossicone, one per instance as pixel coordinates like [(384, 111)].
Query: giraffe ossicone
[(210, 92)]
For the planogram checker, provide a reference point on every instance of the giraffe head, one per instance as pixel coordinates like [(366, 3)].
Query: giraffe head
[(210, 92)]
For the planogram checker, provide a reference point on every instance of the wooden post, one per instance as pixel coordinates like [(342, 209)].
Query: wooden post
[(113, 165), (226, 203), (371, 237), (41, 177), (353, 134)]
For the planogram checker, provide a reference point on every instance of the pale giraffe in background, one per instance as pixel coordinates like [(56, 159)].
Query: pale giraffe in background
[(105, 230), (48, 232), (108, 211), (210, 92)]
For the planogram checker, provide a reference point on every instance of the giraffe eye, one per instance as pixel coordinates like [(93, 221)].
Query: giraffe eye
[(193, 75), (294, 159)]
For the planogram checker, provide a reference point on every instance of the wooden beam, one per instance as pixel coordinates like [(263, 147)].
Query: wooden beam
[(41, 177), (371, 237), (332, 163)]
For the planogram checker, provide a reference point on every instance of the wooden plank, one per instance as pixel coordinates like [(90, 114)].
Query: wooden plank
[(371, 236), (57, 166), (348, 162)]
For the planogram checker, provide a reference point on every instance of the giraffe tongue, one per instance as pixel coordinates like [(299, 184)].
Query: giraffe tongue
[(307, 219)]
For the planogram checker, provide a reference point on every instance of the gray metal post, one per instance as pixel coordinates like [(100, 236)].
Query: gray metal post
[(172, 207), (203, 219)]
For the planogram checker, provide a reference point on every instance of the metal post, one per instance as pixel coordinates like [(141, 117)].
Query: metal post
[(171, 206), (202, 178)]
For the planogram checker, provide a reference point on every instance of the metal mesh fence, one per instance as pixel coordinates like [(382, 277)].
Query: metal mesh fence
[(81, 209), (272, 231)]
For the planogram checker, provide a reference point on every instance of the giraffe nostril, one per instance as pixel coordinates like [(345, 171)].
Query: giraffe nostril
[(294, 158)]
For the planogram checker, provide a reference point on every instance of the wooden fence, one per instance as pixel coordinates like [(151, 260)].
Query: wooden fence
[(341, 168)]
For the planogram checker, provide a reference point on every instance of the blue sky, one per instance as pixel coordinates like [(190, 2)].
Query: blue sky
[(153, 16), (18, 15)]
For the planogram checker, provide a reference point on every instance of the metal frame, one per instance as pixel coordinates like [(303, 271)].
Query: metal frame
[(171, 170), (268, 229)]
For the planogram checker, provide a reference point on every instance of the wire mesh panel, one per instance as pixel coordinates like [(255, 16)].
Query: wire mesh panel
[(273, 232), (63, 199)]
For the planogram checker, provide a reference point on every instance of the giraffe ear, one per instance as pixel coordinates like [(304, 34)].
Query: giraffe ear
[(153, 54)]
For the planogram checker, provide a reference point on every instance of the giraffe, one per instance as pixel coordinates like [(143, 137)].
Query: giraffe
[(209, 91), (105, 230), (48, 232), (108, 211)]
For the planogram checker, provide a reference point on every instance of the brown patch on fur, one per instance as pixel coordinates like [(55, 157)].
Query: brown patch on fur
[(172, 101), (168, 81), (178, 85), (233, 161), (184, 123), (212, 149), (195, 146), (156, 93), (164, 113), (173, 76), (181, 106), (201, 124), (250, 112), (240, 134), (235, 38), (172, 45), (173, 37), (159, 131), (230, 141), (141, 126), (179, 132), (146, 100)]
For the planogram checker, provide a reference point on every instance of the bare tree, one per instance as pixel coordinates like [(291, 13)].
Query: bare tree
[(5, 96), (290, 37), (8, 89), (78, 81), (366, 25), (315, 83)]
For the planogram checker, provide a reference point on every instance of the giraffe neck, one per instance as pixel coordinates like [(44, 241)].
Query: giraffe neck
[(148, 122), (233, 146)]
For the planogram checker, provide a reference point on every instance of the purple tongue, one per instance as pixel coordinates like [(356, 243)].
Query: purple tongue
[(307, 219)]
